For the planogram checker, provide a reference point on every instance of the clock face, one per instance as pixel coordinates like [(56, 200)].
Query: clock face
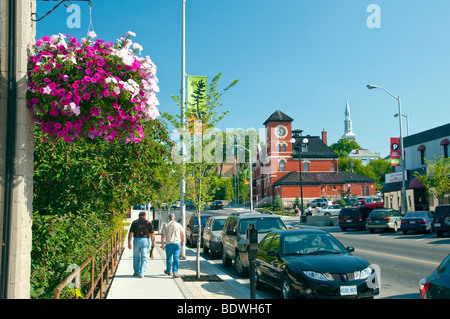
[(281, 131)]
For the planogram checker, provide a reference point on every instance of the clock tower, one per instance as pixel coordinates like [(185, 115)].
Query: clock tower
[(278, 133)]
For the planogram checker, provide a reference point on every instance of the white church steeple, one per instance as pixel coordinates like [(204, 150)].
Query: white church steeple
[(348, 133)]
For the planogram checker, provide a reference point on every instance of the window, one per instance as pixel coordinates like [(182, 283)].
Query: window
[(282, 166), (421, 150), (279, 148), (422, 157), (284, 147), (306, 166)]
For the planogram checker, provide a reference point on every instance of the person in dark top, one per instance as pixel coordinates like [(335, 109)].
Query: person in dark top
[(142, 231)]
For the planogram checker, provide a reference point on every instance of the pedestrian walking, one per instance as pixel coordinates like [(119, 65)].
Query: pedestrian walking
[(172, 238), (296, 210), (142, 231)]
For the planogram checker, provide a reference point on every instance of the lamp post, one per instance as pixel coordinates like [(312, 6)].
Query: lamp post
[(370, 87), (183, 123), (303, 142), (251, 176), (407, 122)]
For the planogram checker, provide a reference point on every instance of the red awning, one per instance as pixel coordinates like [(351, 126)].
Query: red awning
[(415, 183), (421, 148)]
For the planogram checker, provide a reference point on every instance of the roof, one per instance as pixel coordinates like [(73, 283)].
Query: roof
[(429, 135), (278, 116), (316, 148), (362, 153), (318, 178)]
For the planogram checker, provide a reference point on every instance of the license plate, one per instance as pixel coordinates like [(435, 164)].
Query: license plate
[(349, 220), (348, 290), (377, 221), (412, 222), (437, 225)]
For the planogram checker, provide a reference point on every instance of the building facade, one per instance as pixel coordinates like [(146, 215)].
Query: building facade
[(426, 145), (277, 168)]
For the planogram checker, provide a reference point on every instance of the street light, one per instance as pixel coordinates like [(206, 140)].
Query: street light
[(370, 87), (251, 176), (407, 122), (303, 142)]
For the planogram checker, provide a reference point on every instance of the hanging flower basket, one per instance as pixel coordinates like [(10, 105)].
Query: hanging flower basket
[(93, 89)]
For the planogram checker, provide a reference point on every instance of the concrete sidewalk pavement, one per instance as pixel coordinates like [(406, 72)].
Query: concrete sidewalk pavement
[(157, 285)]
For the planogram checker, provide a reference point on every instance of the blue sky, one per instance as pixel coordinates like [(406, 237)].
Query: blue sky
[(303, 57)]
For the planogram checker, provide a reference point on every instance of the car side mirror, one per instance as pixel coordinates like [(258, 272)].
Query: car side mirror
[(350, 249), (231, 232)]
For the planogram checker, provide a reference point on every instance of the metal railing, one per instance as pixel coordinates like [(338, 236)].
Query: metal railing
[(107, 256)]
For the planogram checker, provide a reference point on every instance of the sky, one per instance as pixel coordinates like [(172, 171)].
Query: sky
[(302, 57)]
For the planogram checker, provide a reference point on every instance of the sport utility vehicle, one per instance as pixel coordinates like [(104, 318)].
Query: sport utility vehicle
[(354, 217), (442, 219), (319, 202), (234, 236)]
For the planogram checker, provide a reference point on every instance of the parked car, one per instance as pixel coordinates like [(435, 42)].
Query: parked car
[(330, 210), (212, 235), (385, 218), (354, 217), (319, 202), (192, 227), (312, 264), (442, 219), (234, 236), (419, 221), (191, 205), (437, 285), (176, 204), (370, 202), (217, 204)]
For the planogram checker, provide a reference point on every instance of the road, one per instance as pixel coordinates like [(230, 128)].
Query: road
[(403, 259)]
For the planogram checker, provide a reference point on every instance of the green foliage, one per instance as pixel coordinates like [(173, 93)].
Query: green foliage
[(278, 203), (437, 181), (82, 191), (344, 146)]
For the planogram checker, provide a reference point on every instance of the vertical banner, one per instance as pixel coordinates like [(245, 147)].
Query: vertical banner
[(197, 95), (395, 151)]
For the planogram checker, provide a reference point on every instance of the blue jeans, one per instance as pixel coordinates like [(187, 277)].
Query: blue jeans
[(172, 250), (140, 252)]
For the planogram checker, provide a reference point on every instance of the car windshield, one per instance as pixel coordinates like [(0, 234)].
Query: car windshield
[(312, 244), (262, 224), (218, 224)]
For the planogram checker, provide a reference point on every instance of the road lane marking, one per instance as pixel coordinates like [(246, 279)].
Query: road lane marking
[(400, 257)]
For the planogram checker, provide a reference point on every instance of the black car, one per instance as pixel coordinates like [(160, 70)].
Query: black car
[(437, 285), (354, 217), (192, 228), (313, 264), (217, 204), (442, 219), (234, 236)]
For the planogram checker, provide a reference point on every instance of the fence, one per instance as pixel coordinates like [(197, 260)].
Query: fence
[(95, 287)]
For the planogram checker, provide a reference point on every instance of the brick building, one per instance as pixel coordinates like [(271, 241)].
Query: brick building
[(276, 171)]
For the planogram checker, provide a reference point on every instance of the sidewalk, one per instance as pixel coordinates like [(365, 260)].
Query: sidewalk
[(157, 285)]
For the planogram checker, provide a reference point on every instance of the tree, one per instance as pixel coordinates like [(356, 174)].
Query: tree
[(437, 179), (198, 172), (344, 146)]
